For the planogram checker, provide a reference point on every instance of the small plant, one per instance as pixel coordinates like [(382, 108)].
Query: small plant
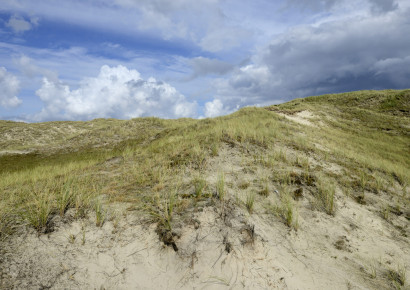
[(244, 184), (397, 277), (385, 211), (297, 160), (200, 186), (404, 190), (265, 187), (127, 152), (291, 216), (83, 235), (214, 149), (363, 180), (219, 280), (372, 269), (65, 198), (99, 214), (305, 163), (280, 155), (250, 201), (164, 210), (5, 228), (379, 183), (287, 210), (220, 186), (326, 156), (285, 177), (170, 203), (325, 196), (71, 238), (38, 214)]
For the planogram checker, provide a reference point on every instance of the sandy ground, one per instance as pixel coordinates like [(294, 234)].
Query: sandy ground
[(220, 246), (10, 152), (302, 117)]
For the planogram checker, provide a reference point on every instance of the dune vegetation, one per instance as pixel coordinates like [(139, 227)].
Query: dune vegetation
[(323, 160)]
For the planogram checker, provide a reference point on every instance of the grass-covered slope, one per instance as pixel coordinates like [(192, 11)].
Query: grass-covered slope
[(303, 156), (366, 132)]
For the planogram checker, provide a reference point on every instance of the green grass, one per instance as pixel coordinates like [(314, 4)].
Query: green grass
[(199, 186), (286, 209), (163, 209)]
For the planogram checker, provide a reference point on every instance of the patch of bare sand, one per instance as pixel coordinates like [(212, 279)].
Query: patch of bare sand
[(237, 252), (303, 117), (11, 152)]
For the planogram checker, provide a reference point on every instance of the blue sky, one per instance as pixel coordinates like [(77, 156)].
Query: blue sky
[(79, 60)]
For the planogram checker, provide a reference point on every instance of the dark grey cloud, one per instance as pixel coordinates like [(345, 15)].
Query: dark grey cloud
[(376, 6), (338, 56), (204, 66), (382, 6), (313, 5)]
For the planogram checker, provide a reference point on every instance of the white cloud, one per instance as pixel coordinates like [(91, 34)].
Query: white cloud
[(19, 24), (116, 92), (30, 69), (215, 108), (9, 87)]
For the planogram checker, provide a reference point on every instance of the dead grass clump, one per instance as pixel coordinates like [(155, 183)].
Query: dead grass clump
[(244, 184), (248, 234)]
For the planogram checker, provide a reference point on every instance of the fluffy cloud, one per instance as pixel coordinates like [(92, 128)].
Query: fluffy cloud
[(344, 55), (215, 108), (9, 87), (116, 92), (19, 24)]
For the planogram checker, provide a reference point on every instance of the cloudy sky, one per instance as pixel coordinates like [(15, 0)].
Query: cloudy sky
[(85, 59)]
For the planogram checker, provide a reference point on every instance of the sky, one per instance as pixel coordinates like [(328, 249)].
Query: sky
[(87, 59)]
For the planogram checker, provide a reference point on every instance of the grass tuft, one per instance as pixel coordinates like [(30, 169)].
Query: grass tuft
[(200, 186), (286, 209), (100, 214), (325, 195), (397, 276), (220, 186), (250, 202), (38, 214)]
